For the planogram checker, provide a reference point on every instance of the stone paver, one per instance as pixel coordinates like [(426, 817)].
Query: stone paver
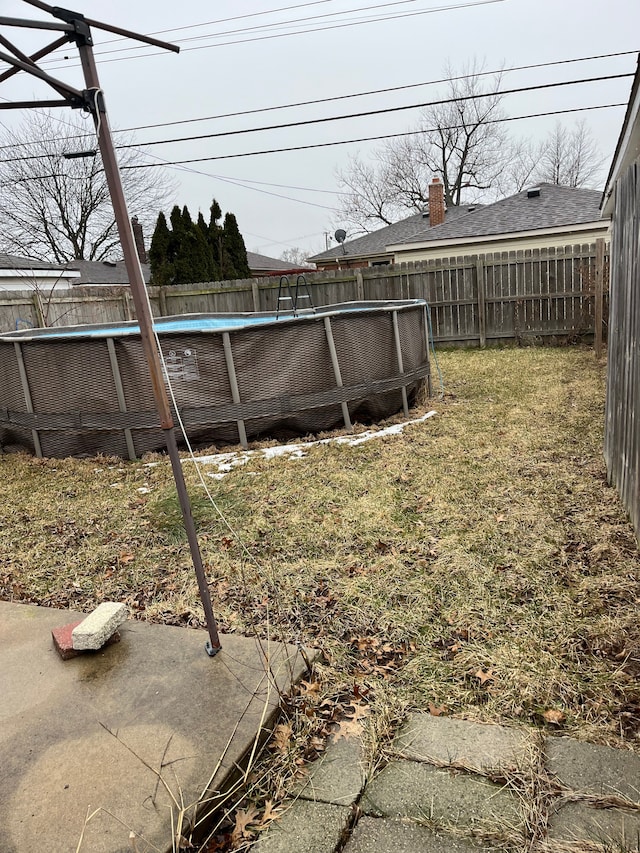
[(474, 745), (338, 776), (94, 631), (578, 821), (381, 835), (305, 827), (594, 769), (411, 789)]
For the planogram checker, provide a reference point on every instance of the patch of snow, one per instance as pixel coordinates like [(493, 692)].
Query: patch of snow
[(226, 462)]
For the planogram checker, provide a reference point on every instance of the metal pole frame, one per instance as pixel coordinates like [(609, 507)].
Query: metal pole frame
[(27, 396), (396, 334), (336, 372), (92, 100), (233, 382)]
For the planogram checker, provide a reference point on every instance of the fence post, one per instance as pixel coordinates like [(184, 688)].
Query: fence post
[(162, 301), (599, 297), (482, 311), (255, 295), (359, 285), (37, 305)]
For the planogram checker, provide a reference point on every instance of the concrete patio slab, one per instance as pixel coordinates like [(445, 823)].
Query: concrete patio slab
[(475, 746), (305, 827), (612, 829), (381, 835), (593, 769), (414, 790), (336, 777), (126, 739)]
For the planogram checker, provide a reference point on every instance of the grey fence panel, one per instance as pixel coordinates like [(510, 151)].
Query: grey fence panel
[(622, 439), (473, 299)]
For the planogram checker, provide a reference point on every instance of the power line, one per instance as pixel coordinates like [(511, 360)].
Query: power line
[(302, 32), (373, 138), (274, 25), (342, 97), (383, 111), (377, 91)]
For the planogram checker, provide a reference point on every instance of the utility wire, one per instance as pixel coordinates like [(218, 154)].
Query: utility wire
[(383, 111), (330, 144), (300, 32), (342, 97), (372, 138), (325, 119), (275, 25)]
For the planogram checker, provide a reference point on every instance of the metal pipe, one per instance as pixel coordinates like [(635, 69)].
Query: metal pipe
[(233, 382), (39, 54), (27, 396), (122, 403), (336, 372), (396, 334), (145, 322), (427, 323)]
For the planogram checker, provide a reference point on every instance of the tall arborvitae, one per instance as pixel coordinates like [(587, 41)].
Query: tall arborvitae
[(190, 252), (234, 250), (162, 271), (215, 238), (213, 271)]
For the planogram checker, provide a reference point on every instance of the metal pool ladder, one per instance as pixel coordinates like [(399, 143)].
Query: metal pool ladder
[(293, 294)]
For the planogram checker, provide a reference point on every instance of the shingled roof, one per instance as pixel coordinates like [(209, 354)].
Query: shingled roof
[(376, 242), (14, 262), (552, 207)]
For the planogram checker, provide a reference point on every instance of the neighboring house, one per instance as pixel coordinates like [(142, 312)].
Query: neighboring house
[(542, 216), (621, 202), (105, 273), (18, 274), (262, 265)]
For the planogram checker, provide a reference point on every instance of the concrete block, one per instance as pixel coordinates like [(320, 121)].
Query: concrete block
[(617, 829), (63, 641), (337, 776), (593, 769), (414, 790), (381, 835), (94, 631), (305, 827), (473, 745)]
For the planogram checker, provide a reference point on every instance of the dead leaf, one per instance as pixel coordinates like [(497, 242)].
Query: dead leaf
[(125, 558), (483, 676), (346, 729), (270, 813), (437, 711), (282, 736), (501, 518), (553, 716), (309, 688), (244, 817)]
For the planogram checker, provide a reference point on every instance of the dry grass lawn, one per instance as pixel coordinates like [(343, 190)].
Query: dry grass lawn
[(478, 565)]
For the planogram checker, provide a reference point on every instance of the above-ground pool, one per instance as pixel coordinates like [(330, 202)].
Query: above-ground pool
[(83, 390)]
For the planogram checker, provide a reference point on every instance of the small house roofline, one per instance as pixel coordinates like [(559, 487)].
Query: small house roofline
[(628, 147)]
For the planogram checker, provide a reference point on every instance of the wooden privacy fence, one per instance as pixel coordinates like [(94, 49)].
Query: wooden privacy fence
[(622, 436), (475, 299)]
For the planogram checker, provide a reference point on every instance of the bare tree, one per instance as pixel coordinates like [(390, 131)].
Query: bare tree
[(462, 142), (571, 159), (296, 255), (56, 209)]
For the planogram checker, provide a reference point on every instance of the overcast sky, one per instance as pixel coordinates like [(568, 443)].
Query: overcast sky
[(285, 200)]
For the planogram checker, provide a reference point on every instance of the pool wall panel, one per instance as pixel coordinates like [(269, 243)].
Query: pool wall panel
[(285, 378)]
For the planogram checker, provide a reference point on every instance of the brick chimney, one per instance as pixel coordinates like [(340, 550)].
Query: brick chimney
[(138, 236), (436, 202)]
